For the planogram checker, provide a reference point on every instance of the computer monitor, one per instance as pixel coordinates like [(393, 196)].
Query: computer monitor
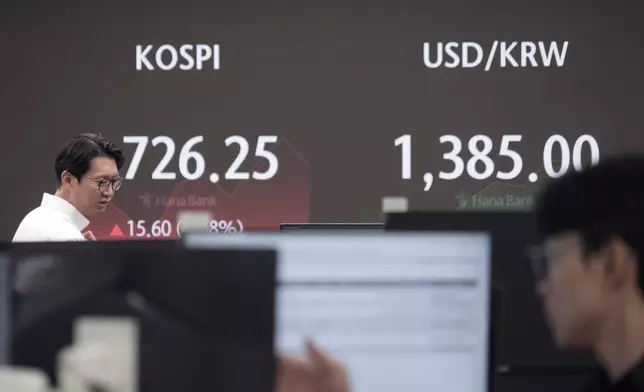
[(206, 317), (524, 346), (331, 226), (404, 312)]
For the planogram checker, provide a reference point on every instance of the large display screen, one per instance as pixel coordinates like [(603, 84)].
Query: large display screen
[(292, 112)]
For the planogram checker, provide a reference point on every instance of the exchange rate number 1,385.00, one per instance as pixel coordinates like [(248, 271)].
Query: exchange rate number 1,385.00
[(481, 166)]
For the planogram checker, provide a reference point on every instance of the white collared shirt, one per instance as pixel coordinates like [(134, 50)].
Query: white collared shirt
[(56, 220)]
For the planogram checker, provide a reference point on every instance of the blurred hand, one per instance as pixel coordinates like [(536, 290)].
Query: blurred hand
[(317, 372), (89, 236)]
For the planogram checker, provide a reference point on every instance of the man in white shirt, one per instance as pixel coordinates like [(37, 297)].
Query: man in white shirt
[(87, 173)]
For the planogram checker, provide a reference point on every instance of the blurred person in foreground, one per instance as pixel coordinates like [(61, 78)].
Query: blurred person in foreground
[(590, 270), (87, 176)]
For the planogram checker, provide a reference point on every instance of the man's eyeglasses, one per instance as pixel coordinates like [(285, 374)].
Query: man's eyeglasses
[(105, 183), (542, 260), (538, 261)]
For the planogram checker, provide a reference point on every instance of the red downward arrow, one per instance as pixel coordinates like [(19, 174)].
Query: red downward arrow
[(116, 232)]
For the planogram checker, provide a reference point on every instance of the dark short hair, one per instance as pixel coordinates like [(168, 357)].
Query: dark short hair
[(77, 153), (600, 203)]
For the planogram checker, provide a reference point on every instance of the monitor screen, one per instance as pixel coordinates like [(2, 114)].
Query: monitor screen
[(403, 312)]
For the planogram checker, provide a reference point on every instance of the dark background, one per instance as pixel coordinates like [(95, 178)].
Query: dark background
[(338, 81)]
